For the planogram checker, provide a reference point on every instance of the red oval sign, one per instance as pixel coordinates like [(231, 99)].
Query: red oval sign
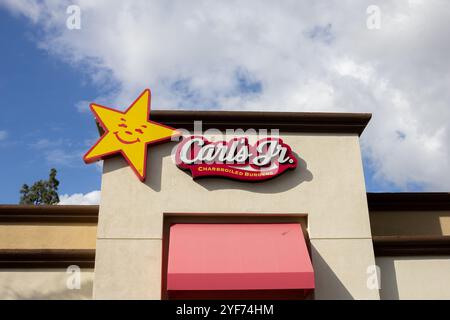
[(235, 159)]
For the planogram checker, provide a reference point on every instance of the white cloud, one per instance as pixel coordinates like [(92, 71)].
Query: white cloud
[(92, 197), (296, 56), (44, 143), (63, 157), (28, 8), (3, 135), (82, 106), (60, 152)]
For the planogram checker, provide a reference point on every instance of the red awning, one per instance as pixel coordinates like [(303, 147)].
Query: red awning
[(238, 257)]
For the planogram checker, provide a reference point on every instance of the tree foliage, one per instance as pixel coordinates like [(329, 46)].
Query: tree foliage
[(41, 192)]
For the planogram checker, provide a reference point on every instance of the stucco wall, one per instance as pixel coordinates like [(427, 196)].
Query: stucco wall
[(409, 222), (43, 284), (414, 277), (328, 186), (47, 236)]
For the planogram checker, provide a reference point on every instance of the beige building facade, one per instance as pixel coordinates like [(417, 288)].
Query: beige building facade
[(362, 246)]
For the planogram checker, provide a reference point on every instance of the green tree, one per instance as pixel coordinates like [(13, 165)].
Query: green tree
[(41, 192)]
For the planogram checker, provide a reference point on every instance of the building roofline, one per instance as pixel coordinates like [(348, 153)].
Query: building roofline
[(402, 201), (396, 201), (46, 258), (411, 245), (312, 122), (49, 213)]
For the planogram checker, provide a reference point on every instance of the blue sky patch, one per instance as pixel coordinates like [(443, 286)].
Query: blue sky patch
[(321, 33)]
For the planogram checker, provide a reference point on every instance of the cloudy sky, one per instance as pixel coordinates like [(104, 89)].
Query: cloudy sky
[(229, 55)]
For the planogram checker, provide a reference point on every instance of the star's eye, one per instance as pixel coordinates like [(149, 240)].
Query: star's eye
[(128, 132), (139, 130)]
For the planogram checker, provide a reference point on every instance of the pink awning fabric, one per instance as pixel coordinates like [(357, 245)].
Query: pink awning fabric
[(238, 257)]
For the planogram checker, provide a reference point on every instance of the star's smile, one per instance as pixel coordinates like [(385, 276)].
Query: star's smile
[(125, 141)]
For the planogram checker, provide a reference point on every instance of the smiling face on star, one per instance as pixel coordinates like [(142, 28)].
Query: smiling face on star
[(128, 133)]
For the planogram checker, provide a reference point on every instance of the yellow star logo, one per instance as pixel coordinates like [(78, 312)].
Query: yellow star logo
[(128, 133)]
